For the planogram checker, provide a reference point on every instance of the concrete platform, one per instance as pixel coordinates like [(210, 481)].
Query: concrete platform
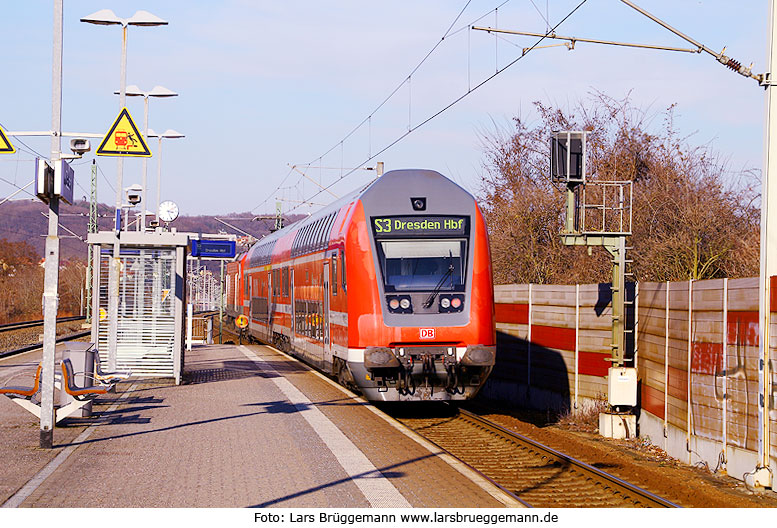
[(249, 428)]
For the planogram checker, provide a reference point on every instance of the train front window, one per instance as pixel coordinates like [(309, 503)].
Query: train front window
[(422, 264)]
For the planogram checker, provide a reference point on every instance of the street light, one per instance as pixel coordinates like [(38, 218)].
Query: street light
[(106, 17), (167, 134), (156, 91)]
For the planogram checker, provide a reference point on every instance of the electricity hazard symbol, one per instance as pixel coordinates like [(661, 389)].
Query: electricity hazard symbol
[(123, 139), (5, 145)]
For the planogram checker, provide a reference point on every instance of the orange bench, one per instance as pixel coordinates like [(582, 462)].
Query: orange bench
[(27, 393), (106, 377), (80, 393)]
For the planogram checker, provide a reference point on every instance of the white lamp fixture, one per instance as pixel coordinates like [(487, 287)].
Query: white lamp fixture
[(106, 17)]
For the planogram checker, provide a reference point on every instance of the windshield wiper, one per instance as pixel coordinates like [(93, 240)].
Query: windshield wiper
[(430, 300)]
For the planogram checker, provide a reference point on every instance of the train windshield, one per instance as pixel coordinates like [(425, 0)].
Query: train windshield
[(413, 265)]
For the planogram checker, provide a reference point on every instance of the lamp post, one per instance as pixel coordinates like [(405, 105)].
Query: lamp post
[(167, 134), (51, 278), (156, 91), (106, 17)]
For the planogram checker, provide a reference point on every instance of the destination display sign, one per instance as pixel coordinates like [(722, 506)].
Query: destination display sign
[(420, 226), (213, 248)]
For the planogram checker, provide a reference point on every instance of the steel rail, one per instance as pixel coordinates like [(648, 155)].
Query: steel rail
[(28, 348), (537, 475), (621, 486), (7, 327)]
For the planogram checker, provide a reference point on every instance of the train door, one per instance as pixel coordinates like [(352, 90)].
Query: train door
[(250, 292), (293, 322), (326, 306), (270, 303), (237, 292)]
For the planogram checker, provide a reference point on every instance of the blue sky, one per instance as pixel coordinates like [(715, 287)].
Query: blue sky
[(264, 85)]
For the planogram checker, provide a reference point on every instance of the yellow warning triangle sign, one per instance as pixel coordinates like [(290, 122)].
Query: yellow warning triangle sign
[(5, 145), (123, 139)]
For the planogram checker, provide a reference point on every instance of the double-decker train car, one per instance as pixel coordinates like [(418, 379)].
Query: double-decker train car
[(389, 289)]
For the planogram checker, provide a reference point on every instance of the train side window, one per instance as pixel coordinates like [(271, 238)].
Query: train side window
[(305, 237), (314, 235), (342, 267), (311, 237), (333, 280), (330, 220), (276, 283)]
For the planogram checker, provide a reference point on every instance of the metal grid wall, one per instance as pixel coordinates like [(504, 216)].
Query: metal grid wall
[(146, 326), (203, 287)]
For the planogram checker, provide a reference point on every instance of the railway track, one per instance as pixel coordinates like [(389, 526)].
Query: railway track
[(535, 474), (17, 338), (10, 327)]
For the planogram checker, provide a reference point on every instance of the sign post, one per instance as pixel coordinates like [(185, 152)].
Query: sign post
[(122, 139), (51, 278)]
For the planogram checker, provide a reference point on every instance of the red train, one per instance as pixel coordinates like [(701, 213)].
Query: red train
[(388, 289)]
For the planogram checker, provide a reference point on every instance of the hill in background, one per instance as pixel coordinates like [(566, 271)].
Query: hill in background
[(27, 220)]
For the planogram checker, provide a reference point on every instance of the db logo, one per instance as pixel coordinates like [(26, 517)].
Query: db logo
[(427, 333)]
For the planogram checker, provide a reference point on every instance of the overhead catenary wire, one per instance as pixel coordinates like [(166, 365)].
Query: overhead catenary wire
[(404, 80), (544, 17), (573, 40), (452, 103), (19, 189), (368, 119), (729, 62)]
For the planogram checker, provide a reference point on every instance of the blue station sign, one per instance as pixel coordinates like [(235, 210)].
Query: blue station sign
[(214, 248)]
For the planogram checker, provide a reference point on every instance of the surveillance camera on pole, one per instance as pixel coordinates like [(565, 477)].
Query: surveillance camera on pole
[(79, 146), (134, 193)]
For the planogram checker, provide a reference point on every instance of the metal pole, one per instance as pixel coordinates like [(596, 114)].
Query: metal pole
[(92, 228), (577, 343), (666, 368), (689, 378), (221, 301), (158, 179), (52, 247), (762, 476), (145, 167), (115, 269), (724, 420), (619, 295)]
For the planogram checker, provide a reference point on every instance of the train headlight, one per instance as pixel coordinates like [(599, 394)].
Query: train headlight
[(399, 304), (451, 303)]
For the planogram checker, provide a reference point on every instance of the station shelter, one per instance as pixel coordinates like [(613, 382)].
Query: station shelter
[(152, 299)]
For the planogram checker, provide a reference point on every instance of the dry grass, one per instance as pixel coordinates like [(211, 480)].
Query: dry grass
[(586, 416)]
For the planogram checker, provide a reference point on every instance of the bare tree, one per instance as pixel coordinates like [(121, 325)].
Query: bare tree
[(688, 224), (21, 282), (72, 277)]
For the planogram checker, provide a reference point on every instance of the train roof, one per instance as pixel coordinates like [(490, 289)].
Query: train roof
[(392, 184)]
